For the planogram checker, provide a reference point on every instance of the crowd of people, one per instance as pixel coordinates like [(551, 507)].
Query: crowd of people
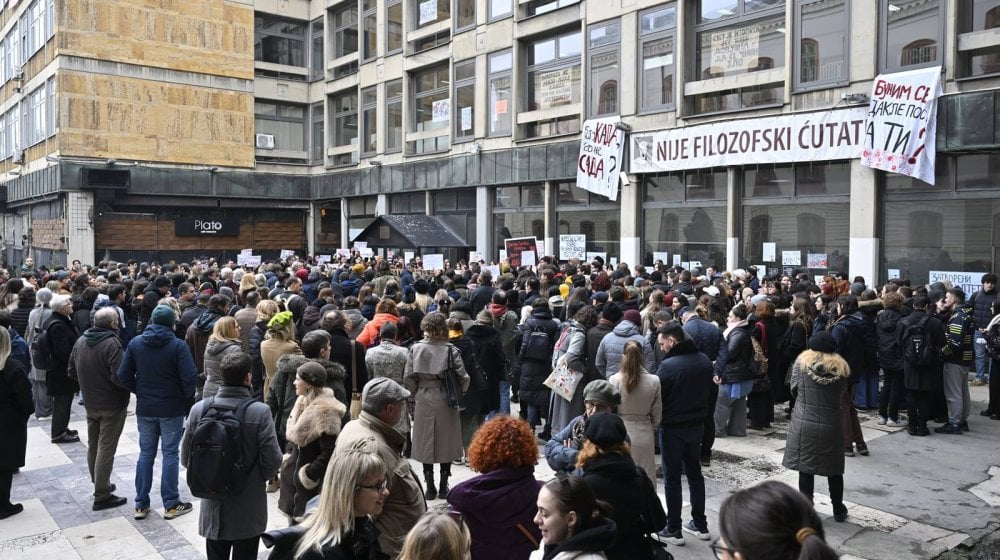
[(324, 381)]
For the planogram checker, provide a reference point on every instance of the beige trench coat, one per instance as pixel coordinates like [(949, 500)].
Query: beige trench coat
[(437, 428), (641, 409)]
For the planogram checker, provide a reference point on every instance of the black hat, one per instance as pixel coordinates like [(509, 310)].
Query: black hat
[(606, 430), (161, 281), (823, 342)]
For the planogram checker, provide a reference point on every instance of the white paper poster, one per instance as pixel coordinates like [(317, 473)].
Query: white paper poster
[(818, 279), (285, 253), (441, 110), (475, 256), (494, 270), (503, 254), (770, 251), (428, 11), (434, 262), (970, 282), (252, 261), (694, 265), (346, 253), (367, 253), (241, 259), (246, 251), (359, 245), (901, 131), (466, 118), (686, 265), (663, 257), (735, 49), (600, 158), (893, 274), (572, 247), (540, 248), (592, 255), (789, 258), (527, 258), (677, 260), (408, 256), (816, 260), (613, 261), (323, 259)]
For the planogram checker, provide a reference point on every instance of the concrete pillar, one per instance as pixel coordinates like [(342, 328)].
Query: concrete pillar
[(312, 216), (484, 225), (631, 207), (864, 243), (381, 205), (551, 222), (429, 203), (79, 231), (344, 224), (734, 202)]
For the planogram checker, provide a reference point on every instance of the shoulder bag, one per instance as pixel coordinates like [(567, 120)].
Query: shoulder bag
[(452, 384), (355, 390)]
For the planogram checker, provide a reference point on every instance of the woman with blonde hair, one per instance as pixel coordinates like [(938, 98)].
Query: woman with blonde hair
[(354, 490), (438, 536), (224, 340), (247, 285), (279, 340), (641, 408), (179, 329), (655, 304), (266, 309)]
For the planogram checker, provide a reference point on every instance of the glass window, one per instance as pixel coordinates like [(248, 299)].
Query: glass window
[(369, 136), (36, 116), (318, 133), (510, 225), (345, 30), (408, 203), (369, 29), (285, 121), (345, 118), (768, 181), (51, 85), (394, 26), (465, 14), (500, 98), (465, 100), (656, 58), (393, 116), (431, 106), (457, 209), (500, 9), (429, 12), (554, 72), (316, 62), (279, 41), (822, 38), (807, 228), (979, 15), (823, 179), (694, 233), (912, 34), (605, 72), (4, 154), (538, 7)]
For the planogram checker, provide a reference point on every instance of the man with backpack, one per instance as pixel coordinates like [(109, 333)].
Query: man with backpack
[(958, 356), (920, 338), (534, 343), (230, 477), (505, 321)]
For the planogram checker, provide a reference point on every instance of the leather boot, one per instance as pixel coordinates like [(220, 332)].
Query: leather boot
[(445, 474), (430, 493)]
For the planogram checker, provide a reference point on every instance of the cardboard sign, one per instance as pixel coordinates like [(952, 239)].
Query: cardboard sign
[(359, 245), (246, 251), (494, 269), (518, 245), (591, 255), (600, 159), (572, 247), (893, 274), (252, 261), (661, 256)]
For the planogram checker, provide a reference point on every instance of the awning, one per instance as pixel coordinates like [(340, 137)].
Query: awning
[(409, 232)]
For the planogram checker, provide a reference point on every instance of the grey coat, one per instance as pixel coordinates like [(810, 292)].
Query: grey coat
[(244, 515), (815, 443), (215, 350), (437, 428), (36, 319), (574, 348), (609, 353), (389, 360)]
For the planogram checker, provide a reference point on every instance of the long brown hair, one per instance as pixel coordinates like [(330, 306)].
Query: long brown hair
[(631, 368)]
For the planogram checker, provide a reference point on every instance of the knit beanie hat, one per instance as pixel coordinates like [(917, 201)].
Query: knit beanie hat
[(605, 430), (312, 373), (602, 391), (161, 281), (822, 342), (163, 315), (633, 316)]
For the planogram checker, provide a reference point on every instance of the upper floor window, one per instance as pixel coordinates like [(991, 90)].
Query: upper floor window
[(279, 41), (286, 122), (605, 71), (554, 71), (369, 29), (393, 26), (345, 30), (431, 107), (978, 52), (912, 34), (822, 39), (428, 12), (499, 9), (499, 101), (657, 29), (464, 100), (465, 14)]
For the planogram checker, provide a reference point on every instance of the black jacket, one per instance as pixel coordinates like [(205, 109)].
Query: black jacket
[(531, 373), (738, 355), (926, 378), (616, 479), (150, 298), (686, 386), (340, 353), (890, 353), (489, 350), (597, 537), (359, 544), (62, 337), (982, 307), (480, 298), (856, 342)]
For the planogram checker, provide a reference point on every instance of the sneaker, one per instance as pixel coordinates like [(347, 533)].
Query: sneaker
[(140, 513), (882, 421), (180, 509), (694, 530), (902, 423), (977, 383), (964, 426), (849, 452), (948, 428), (863, 449), (665, 536), (111, 501)]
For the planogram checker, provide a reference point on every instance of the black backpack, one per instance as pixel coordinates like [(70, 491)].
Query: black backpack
[(917, 348), (536, 345), (41, 350), (992, 337), (217, 466)]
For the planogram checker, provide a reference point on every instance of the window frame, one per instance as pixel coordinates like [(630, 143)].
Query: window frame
[(491, 16), (338, 116), (442, 86), (556, 63), (883, 40), (415, 13), (304, 39), (278, 118), (491, 103), (317, 31), (655, 35), (389, 49), (390, 100), (456, 25), (368, 121), (317, 118), (797, 40), (37, 114), (603, 50), (339, 31), (366, 13), (457, 134)]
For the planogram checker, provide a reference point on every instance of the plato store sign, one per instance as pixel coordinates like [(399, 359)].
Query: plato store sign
[(197, 227)]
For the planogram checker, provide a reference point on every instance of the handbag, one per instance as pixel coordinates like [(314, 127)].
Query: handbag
[(563, 380), (452, 384), (355, 392)]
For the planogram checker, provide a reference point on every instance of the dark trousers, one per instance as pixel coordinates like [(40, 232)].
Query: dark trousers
[(708, 437), (682, 446), (849, 418), (807, 484), (761, 407), (6, 480), (994, 403), (245, 549), (891, 394), (61, 405), (920, 408)]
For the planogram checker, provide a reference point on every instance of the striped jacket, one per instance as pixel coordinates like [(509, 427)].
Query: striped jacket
[(958, 334)]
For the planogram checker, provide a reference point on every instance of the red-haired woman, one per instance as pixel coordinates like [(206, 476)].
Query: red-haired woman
[(499, 504)]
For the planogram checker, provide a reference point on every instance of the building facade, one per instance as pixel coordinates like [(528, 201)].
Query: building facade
[(171, 130)]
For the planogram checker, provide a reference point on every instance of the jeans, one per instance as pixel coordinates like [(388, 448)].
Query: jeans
[(956, 393), (983, 361), (168, 432), (891, 395), (534, 414), (104, 428), (244, 549), (61, 406), (866, 395), (504, 397), (682, 446)]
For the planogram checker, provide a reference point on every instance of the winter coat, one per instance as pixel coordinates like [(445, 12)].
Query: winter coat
[(82, 318), (16, 406), (571, 345), (609, 353), (19, 350), (312, 431), (281, 398), (36, 319), (246, 319), (405, 503), (889, 353), (20, 318), (594, 337), (492, 359), (342, 349), (389, 360), (415, 315), (159, 369), (374, 327), (922, 378), (359, 544), (357, 320), (641, 410), (243, 515), (94, 363), (62, 337), (437, 428), (739, 354), (496, 530), (792, 344), (562, 457), (531, 373), (587, 544), (856, 342), (197, 339), (215, 350), (270, 350), (150, 298), (312, 317), (616, 479), (706, 335), (981, 303), (257, 374), (815, 443), (505, 321), (475, 397), (480, 298), (685, 385), (959, 337)]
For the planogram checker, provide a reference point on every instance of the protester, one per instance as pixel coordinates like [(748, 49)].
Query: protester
[(574, 524), (641, 407), (61, 337), (16, 408), (562, 450), (225, 340), (438, 536)]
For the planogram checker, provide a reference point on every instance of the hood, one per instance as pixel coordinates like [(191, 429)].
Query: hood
[(597, 539), (96, 335), (218, 346), (626, 329), (289, 363), (334, 371), (541, 315), (509, 491), (887, 320), (158, 335), (313, 314), (823, 368), (611, 465), (206, 322), (476, 330), (497, 311), (686, 346)]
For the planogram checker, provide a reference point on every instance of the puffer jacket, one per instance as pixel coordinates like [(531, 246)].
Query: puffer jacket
[(257, 334), (165, 385), (890, 354), (531, 373), (739, 354), (982, 307), (815, 442), (609, 353), (215, 350), (856, 342)]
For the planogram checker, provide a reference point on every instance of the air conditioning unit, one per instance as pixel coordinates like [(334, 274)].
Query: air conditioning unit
[(265, 141), (19, 157)]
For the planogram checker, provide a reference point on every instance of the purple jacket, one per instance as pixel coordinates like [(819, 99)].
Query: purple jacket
[(493, 505)]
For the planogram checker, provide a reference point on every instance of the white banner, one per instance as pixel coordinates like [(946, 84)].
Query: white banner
[(970, 282), (572, 247), (902, 123), (600, 158), (815, 136)]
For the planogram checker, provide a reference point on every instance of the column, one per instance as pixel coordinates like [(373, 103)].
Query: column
[(312, 215), (864, 243), (484, 225), (381, 205), (734, 214), (79, 232), (344, 224), (551, 223), (631, 206)]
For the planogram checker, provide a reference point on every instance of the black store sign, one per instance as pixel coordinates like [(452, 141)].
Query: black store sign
[(197, 227)]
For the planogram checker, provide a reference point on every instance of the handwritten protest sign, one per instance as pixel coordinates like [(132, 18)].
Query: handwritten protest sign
[(252, 261), (285, 253), (434, 262), (572, 247), (663, 257), (359, 245), (407, 256), (346, 253), (322, 259), (970, 282), (816, 260), (791, 258), (518, 245), (600, 158), (367, 253), (475, 256), (735, 49), (528, 258), (901, 129)]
